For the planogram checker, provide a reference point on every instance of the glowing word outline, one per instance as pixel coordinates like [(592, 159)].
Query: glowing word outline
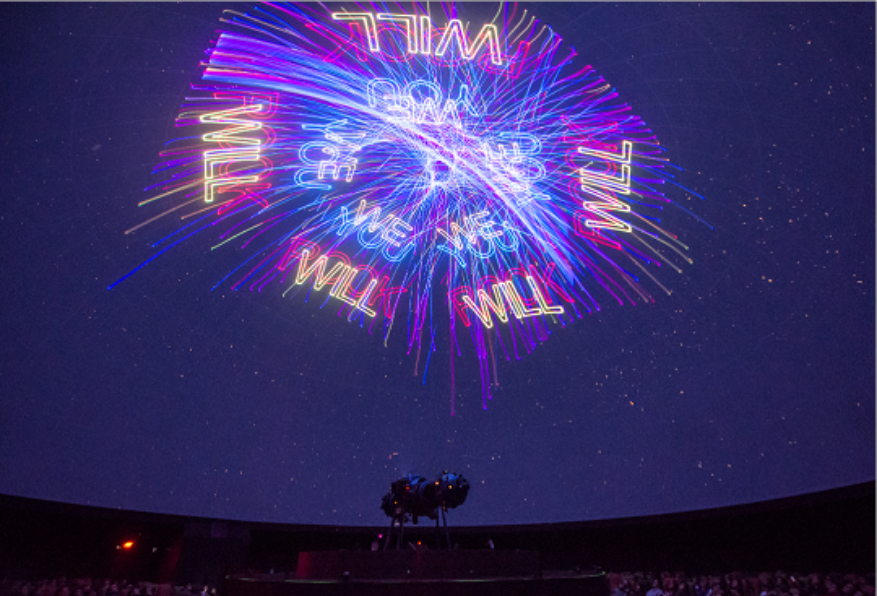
[(245, 149), (504, 293), (604, 188), (339, 147), (389, 227), (467, 236), (418, 34)]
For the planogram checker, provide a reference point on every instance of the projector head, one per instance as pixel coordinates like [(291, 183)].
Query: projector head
[(451, 490), (415, 496)]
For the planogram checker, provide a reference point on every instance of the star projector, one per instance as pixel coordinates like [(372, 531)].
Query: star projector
[(414, 496)]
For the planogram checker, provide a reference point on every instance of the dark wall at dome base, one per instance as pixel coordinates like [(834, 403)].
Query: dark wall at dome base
[(828, 531)]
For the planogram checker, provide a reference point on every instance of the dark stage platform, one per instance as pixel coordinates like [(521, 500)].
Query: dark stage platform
[(463, 572)]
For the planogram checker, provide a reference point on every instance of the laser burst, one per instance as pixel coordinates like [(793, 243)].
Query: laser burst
[(418, 167)]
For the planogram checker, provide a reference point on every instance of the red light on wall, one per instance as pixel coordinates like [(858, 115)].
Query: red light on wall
[(128, 545)]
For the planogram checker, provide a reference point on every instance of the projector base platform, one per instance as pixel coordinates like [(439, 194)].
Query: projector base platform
[(424, 572)]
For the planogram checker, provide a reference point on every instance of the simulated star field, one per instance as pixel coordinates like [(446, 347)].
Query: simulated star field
[(752, 379)]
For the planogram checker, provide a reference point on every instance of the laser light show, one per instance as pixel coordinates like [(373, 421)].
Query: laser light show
[(390, 167)]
